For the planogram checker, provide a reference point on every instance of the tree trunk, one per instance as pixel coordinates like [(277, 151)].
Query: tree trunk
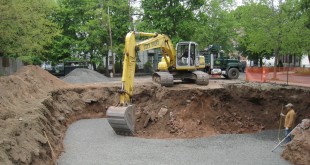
[(94, 65), (107, 64)]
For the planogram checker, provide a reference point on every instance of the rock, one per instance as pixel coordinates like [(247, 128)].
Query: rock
[(145, 111), (40, 138), (171, 115), (61, 119), (89, 101), (188, 101), (199, 122), (162, 112), (138, 114), (6, 144), (153, 116), (305, 124), (147, 121), (76, 108), (36, 152), (20, 119)]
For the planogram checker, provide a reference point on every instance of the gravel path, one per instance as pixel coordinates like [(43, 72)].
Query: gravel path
[(93, 141)]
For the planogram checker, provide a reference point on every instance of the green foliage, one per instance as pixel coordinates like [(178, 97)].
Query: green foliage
[(85, 25), (264, 31), (305, 7), (170, 17), (30, 60), (215, 25), (206, 22), (118, 67), (26, 27), (148, 67)]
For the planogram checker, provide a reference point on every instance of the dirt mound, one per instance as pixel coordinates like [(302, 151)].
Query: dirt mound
[(29, 83), (298, 151), (82, 75), (20, 100)]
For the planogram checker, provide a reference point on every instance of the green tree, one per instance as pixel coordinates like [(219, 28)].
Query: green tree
[(85, 28), (173, 17), (254, 27), (214, 25), (305, 6), (265, 31), (26, 27)]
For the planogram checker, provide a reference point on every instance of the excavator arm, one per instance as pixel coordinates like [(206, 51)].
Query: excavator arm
[(158, 41), (121, 117)]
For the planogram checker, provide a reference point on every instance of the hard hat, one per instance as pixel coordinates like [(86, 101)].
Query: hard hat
[(289, 105)]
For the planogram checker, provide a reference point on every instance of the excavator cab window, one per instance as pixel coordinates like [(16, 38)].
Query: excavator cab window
[(183, 54), (192, 54)]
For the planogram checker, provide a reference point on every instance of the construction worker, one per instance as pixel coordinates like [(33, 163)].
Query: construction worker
[(289, 120)]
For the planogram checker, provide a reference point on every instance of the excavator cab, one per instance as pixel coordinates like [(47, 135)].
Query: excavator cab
[(187, 54)]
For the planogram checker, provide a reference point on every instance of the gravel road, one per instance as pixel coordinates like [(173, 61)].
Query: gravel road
[(93, 141)]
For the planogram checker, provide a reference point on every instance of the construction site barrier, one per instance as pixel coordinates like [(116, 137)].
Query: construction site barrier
[(299, 76)]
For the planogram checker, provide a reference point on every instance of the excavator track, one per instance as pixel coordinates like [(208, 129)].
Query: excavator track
[(163, 78), (121, 119), (202, 78)]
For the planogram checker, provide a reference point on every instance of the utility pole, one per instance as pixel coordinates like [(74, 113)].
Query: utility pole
[(129, 16), (105, 46), (106, 60), (111, 42)]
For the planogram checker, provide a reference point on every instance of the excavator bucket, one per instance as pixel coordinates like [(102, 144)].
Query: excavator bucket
[(122, 119)]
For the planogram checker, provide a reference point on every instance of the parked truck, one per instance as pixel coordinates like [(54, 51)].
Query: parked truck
[(216, 63)]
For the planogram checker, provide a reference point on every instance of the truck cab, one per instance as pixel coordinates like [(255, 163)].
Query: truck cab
[(218, 64)]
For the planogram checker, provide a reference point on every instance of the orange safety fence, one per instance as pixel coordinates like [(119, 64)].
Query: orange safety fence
[(281, 75)]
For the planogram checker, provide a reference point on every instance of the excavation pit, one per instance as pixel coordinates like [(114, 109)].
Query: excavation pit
[(37, 108)]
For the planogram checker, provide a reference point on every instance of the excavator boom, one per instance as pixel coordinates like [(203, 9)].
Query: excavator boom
[(121, 117)]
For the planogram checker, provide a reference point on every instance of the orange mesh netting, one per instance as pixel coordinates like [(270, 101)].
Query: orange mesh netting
[(281, 75)]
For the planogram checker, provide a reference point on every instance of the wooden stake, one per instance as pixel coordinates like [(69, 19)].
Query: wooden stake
[(49, 144)]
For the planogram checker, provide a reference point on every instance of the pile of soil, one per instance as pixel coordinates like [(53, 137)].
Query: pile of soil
[(298, 150), (36, 109), (82, 75), (21, 124)]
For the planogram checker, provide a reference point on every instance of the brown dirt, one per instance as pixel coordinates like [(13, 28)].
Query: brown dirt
[(298, 151), (33, 102)]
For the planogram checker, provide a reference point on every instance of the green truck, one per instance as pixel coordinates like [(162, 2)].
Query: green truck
[(219, 64)]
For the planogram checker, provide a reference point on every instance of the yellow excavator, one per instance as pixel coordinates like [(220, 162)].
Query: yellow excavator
[(184, 64)]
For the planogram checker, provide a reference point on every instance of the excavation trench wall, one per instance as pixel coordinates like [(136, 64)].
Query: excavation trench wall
[(190, 113)]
